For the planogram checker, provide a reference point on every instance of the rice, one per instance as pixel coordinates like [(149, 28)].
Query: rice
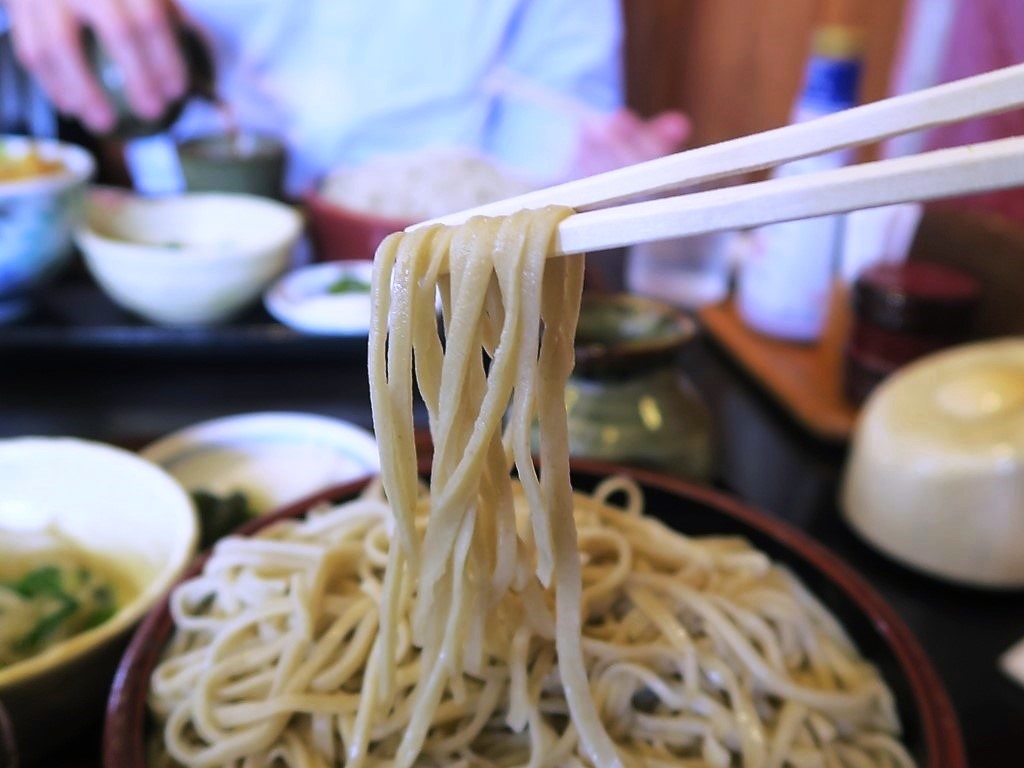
[(421, 185)]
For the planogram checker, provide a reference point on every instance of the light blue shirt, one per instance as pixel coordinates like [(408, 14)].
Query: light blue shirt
[(343, 80)]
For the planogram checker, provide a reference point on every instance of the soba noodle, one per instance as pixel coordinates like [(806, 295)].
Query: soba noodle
[(487, 621)]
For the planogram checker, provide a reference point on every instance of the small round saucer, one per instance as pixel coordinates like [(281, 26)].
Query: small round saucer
[(303, 299)]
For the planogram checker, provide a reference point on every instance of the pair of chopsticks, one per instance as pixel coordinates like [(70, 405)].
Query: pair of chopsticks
[(988, 166)]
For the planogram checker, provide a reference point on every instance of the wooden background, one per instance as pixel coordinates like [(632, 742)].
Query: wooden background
[(735, 65)]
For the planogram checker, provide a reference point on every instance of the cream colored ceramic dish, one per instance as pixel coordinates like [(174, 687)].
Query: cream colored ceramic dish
[(936, 474), (122, 512), (190, 259), (273, 458)]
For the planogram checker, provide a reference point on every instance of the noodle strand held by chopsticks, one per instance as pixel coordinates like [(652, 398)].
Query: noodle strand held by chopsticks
[(488, 309), (498, 622)]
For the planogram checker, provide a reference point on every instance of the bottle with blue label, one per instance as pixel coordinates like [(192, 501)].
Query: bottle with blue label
[(786, 283)]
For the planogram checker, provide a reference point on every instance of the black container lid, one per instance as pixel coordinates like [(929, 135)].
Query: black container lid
[(918, 297)]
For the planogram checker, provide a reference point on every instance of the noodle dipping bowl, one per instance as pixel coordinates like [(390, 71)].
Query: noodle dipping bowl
[(122, 517), (187, 260), (930, 731)]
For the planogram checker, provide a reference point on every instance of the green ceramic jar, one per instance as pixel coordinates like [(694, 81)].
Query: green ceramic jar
[(240, 162), (627, 400)]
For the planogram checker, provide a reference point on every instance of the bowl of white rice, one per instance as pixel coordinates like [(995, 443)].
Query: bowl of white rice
[(355, 208)]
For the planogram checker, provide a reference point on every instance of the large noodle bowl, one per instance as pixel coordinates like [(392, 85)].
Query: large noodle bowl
[(492, 621), (639, 670)]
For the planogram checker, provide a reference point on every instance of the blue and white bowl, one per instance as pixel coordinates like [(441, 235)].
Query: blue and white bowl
[(38, 216)]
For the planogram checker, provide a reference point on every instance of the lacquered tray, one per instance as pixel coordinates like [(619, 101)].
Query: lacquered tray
[(73, 316)]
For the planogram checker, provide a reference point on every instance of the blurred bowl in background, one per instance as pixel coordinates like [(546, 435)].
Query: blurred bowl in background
[(192, 259), (233, 162), (120, 511), (339, 233), (41, 190), (274, 458), (902, 312), (357, 207), (628, 400), (935, 477), (331, 299)]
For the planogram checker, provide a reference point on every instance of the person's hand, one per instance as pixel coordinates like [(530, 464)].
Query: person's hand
[(137, 35), (623, 138)]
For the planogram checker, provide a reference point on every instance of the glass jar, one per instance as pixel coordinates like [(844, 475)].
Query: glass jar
[(627, 400)]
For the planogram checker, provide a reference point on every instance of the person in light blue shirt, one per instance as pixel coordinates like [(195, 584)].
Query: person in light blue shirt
[(536, 84)]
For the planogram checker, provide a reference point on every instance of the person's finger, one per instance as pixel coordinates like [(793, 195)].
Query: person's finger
[(636, 139), (153, 21), (629, 140), (623, 124), (123, 39), (31, 47), (71, 85), (27, 44), (672, 129), (623, 138), (629, 130)]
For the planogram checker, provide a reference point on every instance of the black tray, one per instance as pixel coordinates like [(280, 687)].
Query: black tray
[(73, 316)]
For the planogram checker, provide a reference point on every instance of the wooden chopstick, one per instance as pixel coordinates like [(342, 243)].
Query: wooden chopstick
[(965, 170), (986, 94)]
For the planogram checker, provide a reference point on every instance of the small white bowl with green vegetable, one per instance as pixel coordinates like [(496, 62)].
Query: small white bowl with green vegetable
[(91, 536), (329, 299)]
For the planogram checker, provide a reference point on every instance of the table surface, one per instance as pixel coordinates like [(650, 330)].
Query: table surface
[(117, 395)]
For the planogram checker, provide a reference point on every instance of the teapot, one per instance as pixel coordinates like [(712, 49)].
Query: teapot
[(127, 125)]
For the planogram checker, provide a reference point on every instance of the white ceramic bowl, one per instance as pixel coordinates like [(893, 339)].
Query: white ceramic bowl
[(192, 259), (302, 299), (275, 458), (119, 509), (936, 473), (40, 215)]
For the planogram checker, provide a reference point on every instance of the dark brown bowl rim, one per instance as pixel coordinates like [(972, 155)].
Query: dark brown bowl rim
[(123, 746)]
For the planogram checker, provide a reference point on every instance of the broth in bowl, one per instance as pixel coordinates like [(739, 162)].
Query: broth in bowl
[(27, 165), (50, 591)]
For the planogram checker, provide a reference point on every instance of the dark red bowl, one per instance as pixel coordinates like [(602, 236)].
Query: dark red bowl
[(342, 234), (895, 347), (916, 297), (931, 732)]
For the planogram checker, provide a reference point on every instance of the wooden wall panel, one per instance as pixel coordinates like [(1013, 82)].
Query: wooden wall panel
[(735, 66)]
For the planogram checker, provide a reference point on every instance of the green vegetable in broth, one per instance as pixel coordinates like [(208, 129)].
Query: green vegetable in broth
[(50, 603)]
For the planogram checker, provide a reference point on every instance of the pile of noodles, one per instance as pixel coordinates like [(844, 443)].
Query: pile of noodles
[(488, 621)]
